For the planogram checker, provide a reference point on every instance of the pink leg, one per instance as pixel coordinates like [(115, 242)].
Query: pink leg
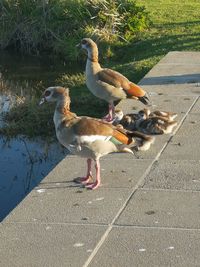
[(98, 178), (86, 179), (110, 116)]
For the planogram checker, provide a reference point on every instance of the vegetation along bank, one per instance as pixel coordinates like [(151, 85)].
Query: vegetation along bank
[(132, 37)]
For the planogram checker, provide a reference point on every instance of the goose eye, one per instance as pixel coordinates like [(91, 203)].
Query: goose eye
[(47, 93), (84, 42)]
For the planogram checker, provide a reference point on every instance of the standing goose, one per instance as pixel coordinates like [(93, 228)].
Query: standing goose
[(108, 84), (89, 137)]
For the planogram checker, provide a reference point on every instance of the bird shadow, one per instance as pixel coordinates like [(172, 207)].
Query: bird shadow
[(74, 183)]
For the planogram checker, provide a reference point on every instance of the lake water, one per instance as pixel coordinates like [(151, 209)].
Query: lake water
[(24, 163)]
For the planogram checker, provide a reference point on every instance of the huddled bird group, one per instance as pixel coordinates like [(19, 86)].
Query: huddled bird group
[(93, 138)]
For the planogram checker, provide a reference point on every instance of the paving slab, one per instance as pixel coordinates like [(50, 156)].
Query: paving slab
[(156, 147), (70, 205), (186, 89), (175, 68), (173, 74), (47, 244), (174, 174), (116, 172), (128, 246), (169, 103), (196, 108), (185, 144), (177, 57), (146, 213), (162, 208), (161, 102)]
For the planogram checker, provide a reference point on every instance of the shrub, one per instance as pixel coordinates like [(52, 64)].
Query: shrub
[(35, 26)]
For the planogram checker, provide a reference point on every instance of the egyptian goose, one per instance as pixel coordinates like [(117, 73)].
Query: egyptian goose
[(108, 84), (89, 137), (146, 121)]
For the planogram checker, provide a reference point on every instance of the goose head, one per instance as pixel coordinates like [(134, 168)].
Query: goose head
[(87, 44), (90, 47), (55, 94)]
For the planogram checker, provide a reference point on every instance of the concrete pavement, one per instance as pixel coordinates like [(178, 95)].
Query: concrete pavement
[(147, 211)]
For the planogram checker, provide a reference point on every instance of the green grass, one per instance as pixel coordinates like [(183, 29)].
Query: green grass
[(56, 26), (175, 27)]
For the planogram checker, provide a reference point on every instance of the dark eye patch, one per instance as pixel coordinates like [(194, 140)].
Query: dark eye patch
[(47, 93), (84, 42)]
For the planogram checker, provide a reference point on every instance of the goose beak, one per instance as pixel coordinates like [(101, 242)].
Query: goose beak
[(78, 46), (144, 99), (42, 101)]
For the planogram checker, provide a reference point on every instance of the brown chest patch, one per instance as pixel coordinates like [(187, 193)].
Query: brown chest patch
[(87, 126)]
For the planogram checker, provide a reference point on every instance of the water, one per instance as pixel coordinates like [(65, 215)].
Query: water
[(24, 163), (29, 75)]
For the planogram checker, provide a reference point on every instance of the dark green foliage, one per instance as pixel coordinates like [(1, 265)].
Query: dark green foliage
[(58, 25), (29, 119), (32, 120)]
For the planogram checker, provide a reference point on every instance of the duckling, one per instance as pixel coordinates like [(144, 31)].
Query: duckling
[(155, 125), (158, 113), (90, 138), (147, 122), (108, 84)]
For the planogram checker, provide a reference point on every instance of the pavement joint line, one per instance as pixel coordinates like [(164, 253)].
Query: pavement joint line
[(57, 223), (168, 190), (178, 95), (140, 181), (155, 227), (103, 225), (126, 159), (182, 64), (174, 160)]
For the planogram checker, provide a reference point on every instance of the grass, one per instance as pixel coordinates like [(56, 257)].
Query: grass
[(175, 27), (32, 120), (55, 26)]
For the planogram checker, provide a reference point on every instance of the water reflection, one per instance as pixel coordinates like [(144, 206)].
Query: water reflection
[(23, 164), (27, 76)]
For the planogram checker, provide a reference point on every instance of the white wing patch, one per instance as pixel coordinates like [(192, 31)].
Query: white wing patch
[(91, 138)]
